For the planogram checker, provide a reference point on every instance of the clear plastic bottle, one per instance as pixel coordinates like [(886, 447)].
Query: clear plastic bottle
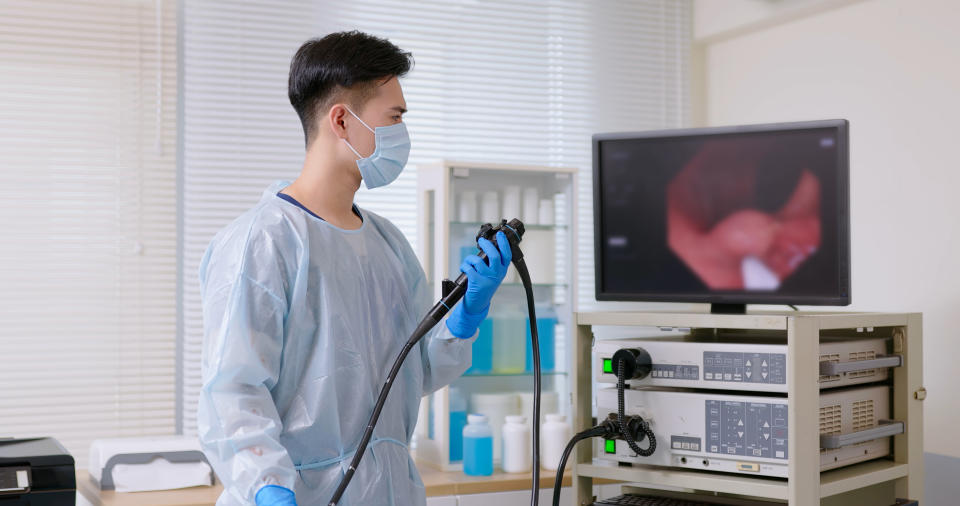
[(458, 420), (477, 446), (516, 445), (554, 437)]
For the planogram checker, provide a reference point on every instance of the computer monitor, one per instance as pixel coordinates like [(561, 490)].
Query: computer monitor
[(755, 214)]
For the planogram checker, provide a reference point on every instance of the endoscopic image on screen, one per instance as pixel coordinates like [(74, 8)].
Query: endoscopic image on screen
[(735, 229), (740, 213)]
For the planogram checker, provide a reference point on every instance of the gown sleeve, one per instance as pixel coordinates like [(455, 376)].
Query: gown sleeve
[(239, 426), (445, 357)]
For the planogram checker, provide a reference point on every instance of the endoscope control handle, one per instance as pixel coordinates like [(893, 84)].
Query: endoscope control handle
[(452, 291)]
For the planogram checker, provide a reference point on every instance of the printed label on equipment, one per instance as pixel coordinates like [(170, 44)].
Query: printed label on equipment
[(751, 429), (671, 371), (685, 443), (745, 367)]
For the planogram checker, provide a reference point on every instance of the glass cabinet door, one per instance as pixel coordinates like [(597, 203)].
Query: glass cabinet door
[(500, 380)]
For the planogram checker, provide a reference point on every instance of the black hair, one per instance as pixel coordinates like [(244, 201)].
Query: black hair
[(325, 67)]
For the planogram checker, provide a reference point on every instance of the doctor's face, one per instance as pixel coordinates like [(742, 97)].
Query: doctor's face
[(386, 107)]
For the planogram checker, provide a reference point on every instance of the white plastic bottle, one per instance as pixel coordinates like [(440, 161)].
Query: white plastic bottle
[(555, 436), (467, 207), (516, 445)]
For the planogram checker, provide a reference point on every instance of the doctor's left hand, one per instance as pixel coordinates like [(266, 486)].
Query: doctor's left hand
[(275, 495), (483, 279)]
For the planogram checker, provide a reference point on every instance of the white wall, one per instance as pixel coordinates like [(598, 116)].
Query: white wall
[(893, 69)]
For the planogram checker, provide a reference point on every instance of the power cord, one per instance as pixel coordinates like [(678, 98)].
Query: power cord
[(610, 428), (617, 425), (607, 429)]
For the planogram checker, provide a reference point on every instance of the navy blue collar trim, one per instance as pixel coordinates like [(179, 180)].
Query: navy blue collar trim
[(295, 202)]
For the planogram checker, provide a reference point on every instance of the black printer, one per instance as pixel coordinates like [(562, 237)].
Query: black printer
[(36, 472)]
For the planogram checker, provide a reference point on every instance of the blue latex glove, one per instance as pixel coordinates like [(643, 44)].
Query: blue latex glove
[(275, 495), (483, 279)]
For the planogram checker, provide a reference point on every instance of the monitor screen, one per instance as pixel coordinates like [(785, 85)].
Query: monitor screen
[(736, 215)]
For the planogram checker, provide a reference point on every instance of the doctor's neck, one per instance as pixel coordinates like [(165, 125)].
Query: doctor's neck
[(328, 181)]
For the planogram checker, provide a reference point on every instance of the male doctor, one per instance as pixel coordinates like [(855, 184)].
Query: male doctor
[(307, 300)]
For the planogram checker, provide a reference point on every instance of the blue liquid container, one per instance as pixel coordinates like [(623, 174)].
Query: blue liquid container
[(458, 420), (546, 334), (466, 251), (477, 446), (482, 362)]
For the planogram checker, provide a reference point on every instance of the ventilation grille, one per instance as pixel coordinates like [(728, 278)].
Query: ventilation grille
[(862, 355), (830, 419), (829, 358), (863, 415)]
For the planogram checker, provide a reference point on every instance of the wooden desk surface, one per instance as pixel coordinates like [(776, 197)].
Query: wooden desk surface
[(195, 496), (438, 483)]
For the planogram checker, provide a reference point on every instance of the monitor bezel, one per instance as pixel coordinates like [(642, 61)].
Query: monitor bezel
[(843, 209)]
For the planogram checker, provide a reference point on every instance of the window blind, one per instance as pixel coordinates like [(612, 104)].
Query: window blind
[(524, 82), (88, 207)]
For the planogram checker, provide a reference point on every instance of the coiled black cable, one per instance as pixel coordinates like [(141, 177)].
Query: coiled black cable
[(615, 425), (644, 426)]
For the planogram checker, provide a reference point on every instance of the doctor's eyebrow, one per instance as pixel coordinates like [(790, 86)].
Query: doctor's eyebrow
[(399, 109)]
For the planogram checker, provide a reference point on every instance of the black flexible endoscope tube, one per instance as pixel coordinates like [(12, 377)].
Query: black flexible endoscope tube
[(521, 266), (422, 329), (433, 317)]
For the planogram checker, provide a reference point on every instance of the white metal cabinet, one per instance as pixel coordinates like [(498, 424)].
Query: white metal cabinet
[(446, 500)]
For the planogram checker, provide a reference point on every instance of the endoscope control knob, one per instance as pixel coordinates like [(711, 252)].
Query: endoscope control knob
[(446, 287)]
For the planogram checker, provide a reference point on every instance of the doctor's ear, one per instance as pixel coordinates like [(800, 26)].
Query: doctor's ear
[(336, 118)]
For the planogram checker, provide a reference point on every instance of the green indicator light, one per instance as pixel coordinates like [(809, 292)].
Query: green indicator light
[(608, 365), (610, 446)]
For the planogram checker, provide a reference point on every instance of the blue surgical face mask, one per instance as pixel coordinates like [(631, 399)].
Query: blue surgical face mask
[(389, 156)]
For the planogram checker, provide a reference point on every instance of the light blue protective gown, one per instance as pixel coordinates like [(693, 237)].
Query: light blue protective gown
[(302, 321)]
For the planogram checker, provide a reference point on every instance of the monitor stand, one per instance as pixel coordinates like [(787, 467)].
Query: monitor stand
[(717, 308)]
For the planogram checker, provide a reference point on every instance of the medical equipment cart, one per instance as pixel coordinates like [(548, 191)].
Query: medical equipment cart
[(898, 476)]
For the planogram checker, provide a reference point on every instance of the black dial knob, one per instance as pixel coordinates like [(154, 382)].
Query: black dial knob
[(636, 363)]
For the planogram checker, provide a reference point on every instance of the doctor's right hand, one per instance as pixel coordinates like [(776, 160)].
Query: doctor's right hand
[(275, 495)]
